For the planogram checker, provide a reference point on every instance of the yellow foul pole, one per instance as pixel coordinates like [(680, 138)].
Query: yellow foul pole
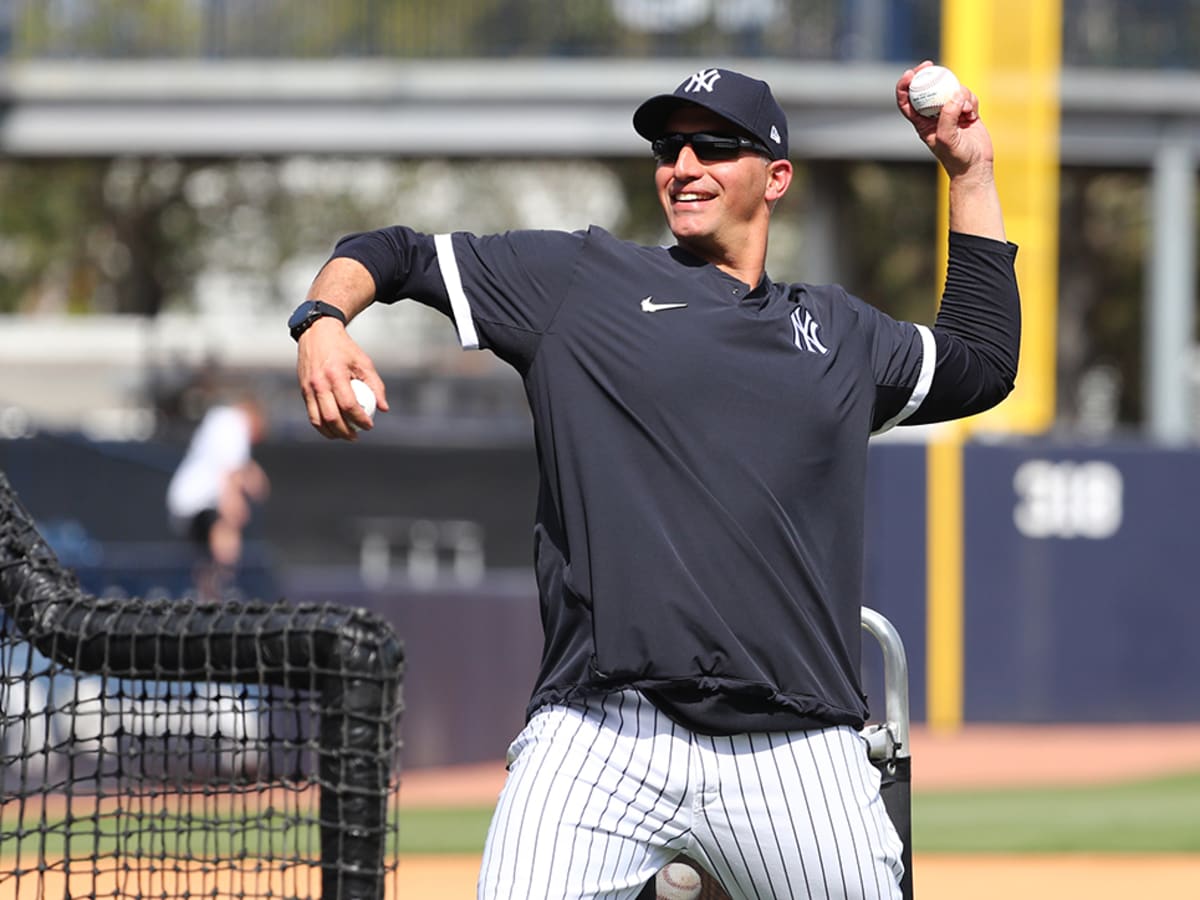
[(1009, 53)]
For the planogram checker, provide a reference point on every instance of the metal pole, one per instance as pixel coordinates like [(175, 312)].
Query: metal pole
[(888, 744), (895, 676), (1170, 302)]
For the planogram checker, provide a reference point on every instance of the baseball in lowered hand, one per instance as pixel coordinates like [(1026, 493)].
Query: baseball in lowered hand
[(365, 397), (930, 89)]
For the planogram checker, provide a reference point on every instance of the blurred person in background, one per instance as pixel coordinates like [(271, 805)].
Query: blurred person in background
[(210, 495)]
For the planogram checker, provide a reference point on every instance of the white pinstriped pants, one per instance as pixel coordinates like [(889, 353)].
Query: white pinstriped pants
[(600, 796)]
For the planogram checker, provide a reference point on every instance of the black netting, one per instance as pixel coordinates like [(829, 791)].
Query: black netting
[(171, 748)]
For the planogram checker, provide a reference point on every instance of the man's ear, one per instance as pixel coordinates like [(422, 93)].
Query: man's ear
[(779, 177)]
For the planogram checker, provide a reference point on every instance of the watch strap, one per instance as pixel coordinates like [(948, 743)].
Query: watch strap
[(308, 312)]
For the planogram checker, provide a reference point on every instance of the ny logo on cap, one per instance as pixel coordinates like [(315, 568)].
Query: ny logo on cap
[(703, 80)]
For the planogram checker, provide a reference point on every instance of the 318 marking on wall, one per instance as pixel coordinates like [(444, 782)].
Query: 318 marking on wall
[(1068, 499)]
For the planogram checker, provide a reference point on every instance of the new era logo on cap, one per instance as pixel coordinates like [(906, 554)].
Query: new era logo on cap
[(744, 101)]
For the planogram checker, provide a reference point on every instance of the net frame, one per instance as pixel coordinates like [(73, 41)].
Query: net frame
[(348, 658)]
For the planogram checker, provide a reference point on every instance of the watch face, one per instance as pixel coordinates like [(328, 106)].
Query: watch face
[(304, 311), (308, 312)]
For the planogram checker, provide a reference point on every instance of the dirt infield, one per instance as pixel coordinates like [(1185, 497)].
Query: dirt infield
[(978, 756), (935, 877), (1035, 755), (181, 880)]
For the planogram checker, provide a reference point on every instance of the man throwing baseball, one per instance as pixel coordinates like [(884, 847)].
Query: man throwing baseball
[(702, 440)]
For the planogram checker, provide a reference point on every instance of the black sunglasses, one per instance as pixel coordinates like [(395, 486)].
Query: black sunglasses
[(707, 147)]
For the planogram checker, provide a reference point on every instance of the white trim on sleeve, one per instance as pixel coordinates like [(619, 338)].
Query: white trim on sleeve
[(459, 305), (921, 389)]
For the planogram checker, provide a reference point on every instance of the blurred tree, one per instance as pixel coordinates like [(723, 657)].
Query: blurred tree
[(1152, 34), (1102, 266), (1115, 33), (110, 28), (137, 235), (151, 231), (95, 236), (888, 234), (41, 233), (324, 29), (144, 235)]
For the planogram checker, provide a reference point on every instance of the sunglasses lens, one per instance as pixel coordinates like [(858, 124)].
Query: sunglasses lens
[(715, 147), (666, 149), (707, 147)]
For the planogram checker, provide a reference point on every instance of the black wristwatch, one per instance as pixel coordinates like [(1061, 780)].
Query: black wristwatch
[(308, 312)]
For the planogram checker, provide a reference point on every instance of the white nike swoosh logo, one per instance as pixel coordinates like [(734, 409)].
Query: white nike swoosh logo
[(648, 305)]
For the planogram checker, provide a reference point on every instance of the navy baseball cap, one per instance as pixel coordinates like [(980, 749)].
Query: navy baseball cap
[(744, 101)]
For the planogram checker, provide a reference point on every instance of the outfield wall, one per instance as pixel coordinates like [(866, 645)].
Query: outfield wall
[(1082, 592), (1079, 601), (1079, 598)]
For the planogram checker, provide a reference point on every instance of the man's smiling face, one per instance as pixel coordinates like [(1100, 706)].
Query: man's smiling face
[(710, 206)]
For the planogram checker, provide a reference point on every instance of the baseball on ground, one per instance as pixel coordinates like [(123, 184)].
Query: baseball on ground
[(677, 881), (931, 88)]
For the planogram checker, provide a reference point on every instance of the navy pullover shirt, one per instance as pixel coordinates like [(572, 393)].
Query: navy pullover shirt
[(703, 450)]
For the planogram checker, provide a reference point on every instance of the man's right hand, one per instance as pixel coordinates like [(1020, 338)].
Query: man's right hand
[(326, 361)]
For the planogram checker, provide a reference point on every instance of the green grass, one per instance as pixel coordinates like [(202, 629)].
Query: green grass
[(444, 830), (217, 837), (162, 835), (1160, 815), (1156, 816)]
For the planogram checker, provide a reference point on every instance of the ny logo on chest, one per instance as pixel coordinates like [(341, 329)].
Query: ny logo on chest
[(804, 332)]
